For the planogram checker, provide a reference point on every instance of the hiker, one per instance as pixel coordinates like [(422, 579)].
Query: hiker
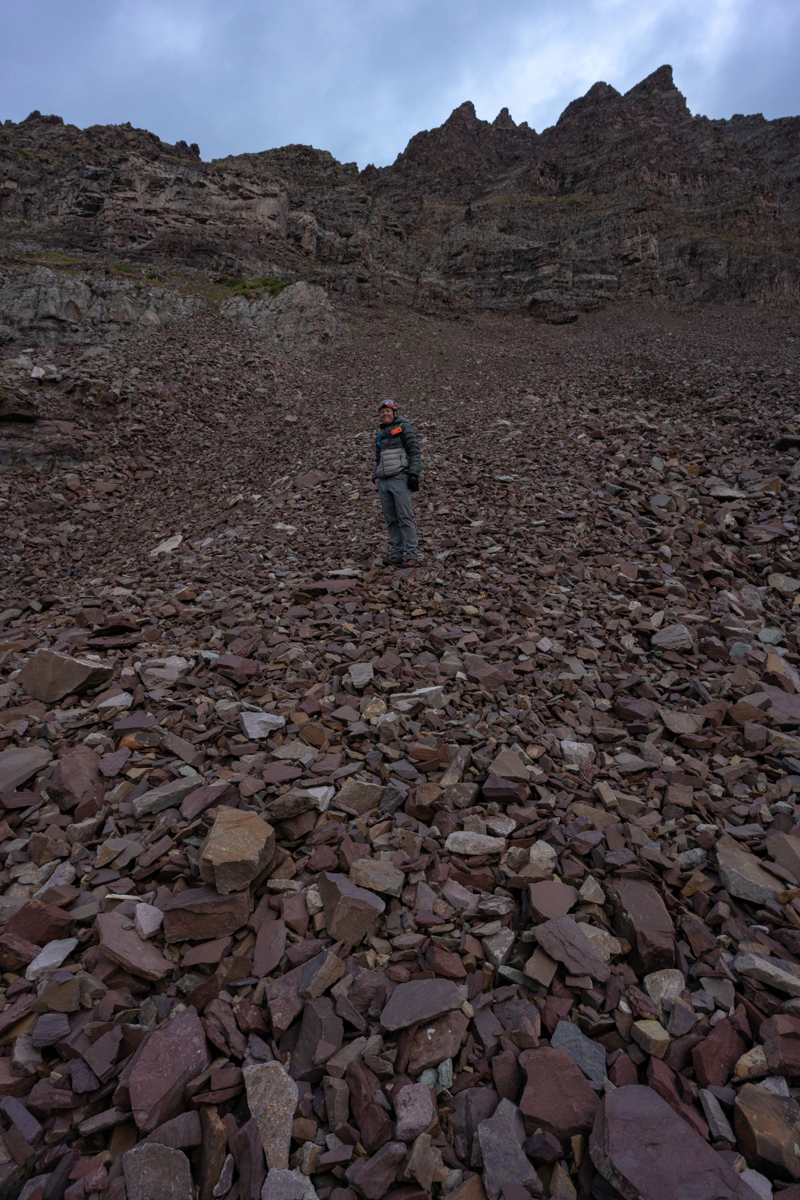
[(397, 468)]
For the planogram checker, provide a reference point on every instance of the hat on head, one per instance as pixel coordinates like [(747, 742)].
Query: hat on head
[(387, 404)]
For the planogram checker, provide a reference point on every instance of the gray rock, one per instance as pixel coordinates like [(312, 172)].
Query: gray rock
[(154, 1172), (462, 841), (689, 860), (301, 315), (720, 991), (664, 985), (758, 1182), (766, 970), (409, 702), (500, 1139), (743, 875), (590, 1056), (672, 637), (259, 725), (51, 957), (360, 674), (283, 1185), (577, 752), (167, 795), (272, 1099), (74, 305), (719, 1127)]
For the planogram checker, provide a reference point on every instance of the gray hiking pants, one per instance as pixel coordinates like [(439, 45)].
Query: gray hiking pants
[(396, 505)]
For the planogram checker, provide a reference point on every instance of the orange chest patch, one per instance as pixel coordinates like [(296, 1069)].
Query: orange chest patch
[(398, 429)]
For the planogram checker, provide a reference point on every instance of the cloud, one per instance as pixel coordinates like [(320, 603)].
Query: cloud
[(154, 31), (360, 77)]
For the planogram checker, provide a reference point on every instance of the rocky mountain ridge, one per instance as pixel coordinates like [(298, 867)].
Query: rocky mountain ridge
[(627, 195)]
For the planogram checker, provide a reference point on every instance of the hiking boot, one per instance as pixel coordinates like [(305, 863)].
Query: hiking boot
[(410, 562), (392, 560)]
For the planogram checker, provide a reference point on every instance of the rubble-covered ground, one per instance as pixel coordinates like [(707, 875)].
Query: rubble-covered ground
[(480, 880)]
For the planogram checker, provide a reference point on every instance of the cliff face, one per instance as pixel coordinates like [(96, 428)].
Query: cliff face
[(625, 195)]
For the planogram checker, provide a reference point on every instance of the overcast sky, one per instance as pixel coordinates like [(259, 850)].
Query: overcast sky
[(359, 77)]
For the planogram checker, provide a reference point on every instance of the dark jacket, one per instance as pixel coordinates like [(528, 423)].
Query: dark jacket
[(400, 431)]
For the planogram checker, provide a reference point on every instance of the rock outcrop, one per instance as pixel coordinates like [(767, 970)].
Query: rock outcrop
[(300, 315), (626, 195), (58, 306)]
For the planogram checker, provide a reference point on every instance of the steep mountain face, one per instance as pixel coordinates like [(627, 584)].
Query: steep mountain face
[(626, 195)]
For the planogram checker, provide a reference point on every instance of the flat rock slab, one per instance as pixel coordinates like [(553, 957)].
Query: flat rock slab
[(166, 795), (551, 898), (744, 876), (421, 1000), (558, 1097), (504, 1160), (509, 765), (166, 1062), (437, 1039), (590, 1056), (377, 874), (18, 763), (360, 797), (125, 947), (260, 725), (643, 1148), (201, 914), (49, 676), (563, 939)]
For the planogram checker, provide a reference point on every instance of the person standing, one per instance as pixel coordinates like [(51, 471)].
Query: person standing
[(396, 473)]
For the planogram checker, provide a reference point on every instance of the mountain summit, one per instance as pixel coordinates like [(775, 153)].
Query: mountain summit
[(627, 194)]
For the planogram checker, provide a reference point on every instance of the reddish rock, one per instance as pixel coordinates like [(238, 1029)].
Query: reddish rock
[(662, 1080), (643, 1148), (269, 947), (715, 1057), (49, 676), (781, 1038), (641, 916), (350, 911), (506, 1167), (420, 1000), (557, 1097), (125, 947), (551, 898), (39, 923), (372, 1177), (416, 1111), (80, 769), (18, 763), (166, 1062), (436, 1040), (201, 914), (564, 940)]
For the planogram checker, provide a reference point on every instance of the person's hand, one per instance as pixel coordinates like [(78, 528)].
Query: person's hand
[(413, 483)]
